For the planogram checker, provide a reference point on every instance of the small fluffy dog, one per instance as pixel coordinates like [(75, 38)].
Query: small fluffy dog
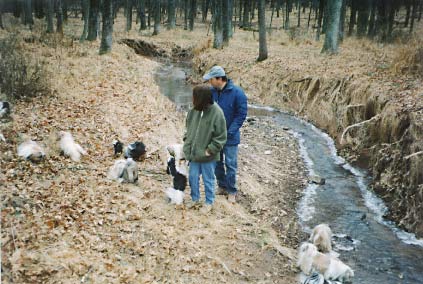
[(30, 150), (69, 147), (321, 237), (118, 147), (135, 151), (4, 109), (310, 260), (124, 171), (177, 168)]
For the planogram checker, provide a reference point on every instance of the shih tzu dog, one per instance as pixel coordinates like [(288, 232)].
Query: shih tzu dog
[(118, 147), (177, 168), (311, 260), (321, 237), (69, 147), (30, 150), (124, 171), (135, 151), (4, 109)]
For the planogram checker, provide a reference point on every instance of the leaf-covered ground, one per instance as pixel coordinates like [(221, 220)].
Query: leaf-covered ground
[(65, 222)]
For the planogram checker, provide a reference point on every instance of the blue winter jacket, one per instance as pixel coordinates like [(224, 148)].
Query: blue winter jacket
[(233, 102)]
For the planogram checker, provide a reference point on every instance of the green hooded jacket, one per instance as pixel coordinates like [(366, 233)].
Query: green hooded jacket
[(205, 130)]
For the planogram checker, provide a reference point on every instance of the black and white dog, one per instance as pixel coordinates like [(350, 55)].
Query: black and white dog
[(4, 109), (118, 147), (135, 151), (177, 168)]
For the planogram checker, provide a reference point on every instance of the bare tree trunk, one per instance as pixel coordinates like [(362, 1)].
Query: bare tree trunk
[(192, 14), (129, 7), (186, 12), (246, 15), (320, 19), (225, 22), (299, 13), (342, 20), (93, 20), (262, 31), (141, 14), (156, 17), (85, 15), (287, 10), (353, 17), (217, 24), (413, 15), (1, 13), (65, 10), (371, 29), (59, 17), (107, 30), (332, 30), (407, 15), (171, 16), (28, 19), (363, 17), (49, 18)]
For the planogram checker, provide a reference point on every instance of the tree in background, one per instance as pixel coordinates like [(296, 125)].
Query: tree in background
[(217, 24), (107, 30), (49, 17), (85, 14), (93, 20), (156, 12), (262, 31), (332, 29), (141, 8), (171, 14), (59, 17), (128, 12)]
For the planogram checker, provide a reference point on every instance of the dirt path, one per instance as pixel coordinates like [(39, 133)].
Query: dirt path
[(65, 222)]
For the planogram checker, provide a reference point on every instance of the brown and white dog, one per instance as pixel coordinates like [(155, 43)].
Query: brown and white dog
[(310, 260), (321, 237)]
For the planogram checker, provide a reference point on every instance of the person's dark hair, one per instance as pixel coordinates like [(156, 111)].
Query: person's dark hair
[(224, 78), (202, 97)]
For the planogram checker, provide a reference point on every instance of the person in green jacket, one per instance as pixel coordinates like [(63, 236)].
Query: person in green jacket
[(204, 138)]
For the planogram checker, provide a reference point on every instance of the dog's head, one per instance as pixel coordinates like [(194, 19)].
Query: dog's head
[(305, 257), (347, 276)]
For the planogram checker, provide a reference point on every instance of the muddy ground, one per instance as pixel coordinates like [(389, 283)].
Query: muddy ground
[(65, 222)]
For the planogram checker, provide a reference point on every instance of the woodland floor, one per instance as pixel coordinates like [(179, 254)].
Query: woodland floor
[(64, 222)]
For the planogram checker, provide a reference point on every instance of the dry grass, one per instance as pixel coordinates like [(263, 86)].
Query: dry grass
[(409, 59)]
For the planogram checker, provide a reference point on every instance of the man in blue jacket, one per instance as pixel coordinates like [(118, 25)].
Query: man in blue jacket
[(233, 102)]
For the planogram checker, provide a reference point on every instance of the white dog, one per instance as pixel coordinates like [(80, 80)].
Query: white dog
[(124, 171), (30, 150), (130, 173), (175, 196), (310, 259), (321, 237), (69, 147)]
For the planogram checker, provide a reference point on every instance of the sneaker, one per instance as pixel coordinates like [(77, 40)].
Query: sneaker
[(193, 204), (206, 209), (221, 191), (232, 198)]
